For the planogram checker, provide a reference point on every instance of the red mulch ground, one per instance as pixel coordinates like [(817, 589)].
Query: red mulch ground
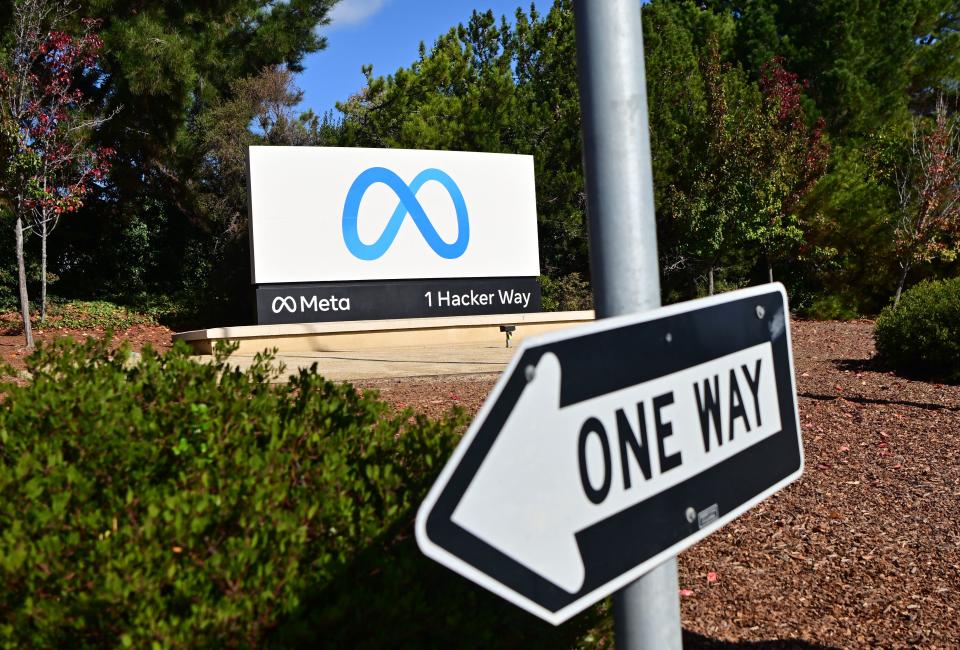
[(863, 551), (12, 349)]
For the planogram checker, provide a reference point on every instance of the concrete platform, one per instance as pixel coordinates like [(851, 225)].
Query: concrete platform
[(378, 363), (382, 334)]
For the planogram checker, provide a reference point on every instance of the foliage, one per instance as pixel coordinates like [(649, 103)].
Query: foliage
[(921, 335), (792, 158), (747, 158), (829, 307), (868, 63), (775, 125), (166, 503), (97, 314), (52, 164), (927, 226), (267, 100), (50, 119), (173, 503), (78, 314), (569, 293), (166, 64), (866, 68)]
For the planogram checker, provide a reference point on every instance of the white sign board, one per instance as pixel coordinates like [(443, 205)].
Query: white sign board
[(605, 449), (326, 214)]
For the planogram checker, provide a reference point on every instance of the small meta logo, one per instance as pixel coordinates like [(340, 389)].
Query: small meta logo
[(408, 205), (313, 303)]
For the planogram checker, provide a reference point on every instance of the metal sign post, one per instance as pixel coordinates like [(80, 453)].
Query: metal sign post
[(623, 243)]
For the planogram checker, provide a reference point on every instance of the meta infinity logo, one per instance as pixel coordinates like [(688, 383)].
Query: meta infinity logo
[(408, 205)]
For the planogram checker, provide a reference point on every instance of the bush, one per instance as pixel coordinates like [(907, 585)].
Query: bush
[(829, 307), (80, 314), (921, 336), (173, 504), (568, 293), (169, 504)]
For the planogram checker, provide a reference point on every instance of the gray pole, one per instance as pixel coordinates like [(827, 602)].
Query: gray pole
[(623, 244)]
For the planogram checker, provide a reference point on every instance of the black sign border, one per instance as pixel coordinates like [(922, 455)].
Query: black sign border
[(618, 358)]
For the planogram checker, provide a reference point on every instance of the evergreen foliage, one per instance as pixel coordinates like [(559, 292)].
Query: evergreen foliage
[(166, 64)]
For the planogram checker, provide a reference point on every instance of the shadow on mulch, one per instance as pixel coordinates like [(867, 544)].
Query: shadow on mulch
[(878, 364), (873, 364), (886, 402), (694, 641)]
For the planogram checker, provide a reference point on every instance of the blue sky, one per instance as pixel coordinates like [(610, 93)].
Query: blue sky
[(386, 33)]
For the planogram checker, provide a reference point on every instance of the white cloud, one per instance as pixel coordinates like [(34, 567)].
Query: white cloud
[(354, 12)]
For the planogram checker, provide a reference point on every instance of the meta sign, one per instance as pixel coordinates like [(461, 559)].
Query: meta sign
[(606, 449), (354, 234)]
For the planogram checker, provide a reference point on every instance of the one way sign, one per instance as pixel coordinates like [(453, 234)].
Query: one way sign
[(606, 449)]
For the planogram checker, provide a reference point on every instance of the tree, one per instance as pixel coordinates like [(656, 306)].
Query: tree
[(790, 158), (268, 101), (166, 62), (706, 198), (51, 165), (867, 62), (37, 98), (927, 225), (734, 158), (58, 126)]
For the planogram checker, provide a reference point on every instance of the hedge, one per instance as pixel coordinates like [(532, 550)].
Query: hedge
[(171, 504)]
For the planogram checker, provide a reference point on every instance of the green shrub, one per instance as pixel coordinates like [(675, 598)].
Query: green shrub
[(829, 307), (79, 314), (568, 293), (172, 504), (921, 336)]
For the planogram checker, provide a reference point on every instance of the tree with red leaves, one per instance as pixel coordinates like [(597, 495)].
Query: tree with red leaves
[(927, 225), (51, 166), (790, 158)]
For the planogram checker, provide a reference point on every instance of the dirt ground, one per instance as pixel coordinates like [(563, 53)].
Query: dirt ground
[(12, 349), (863, 551)]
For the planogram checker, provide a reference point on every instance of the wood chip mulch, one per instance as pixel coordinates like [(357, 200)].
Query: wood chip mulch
[(13, 353), (863, 551)]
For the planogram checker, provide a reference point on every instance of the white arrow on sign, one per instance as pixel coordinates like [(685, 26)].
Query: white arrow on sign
[(535, 463)]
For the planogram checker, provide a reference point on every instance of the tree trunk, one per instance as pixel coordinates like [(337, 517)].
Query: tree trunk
[(770, 271), (710, 275), (43, 269), (22, 277), (903, 281)]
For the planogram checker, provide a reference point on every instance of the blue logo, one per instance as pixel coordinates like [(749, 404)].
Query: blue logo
[(408, 205)]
